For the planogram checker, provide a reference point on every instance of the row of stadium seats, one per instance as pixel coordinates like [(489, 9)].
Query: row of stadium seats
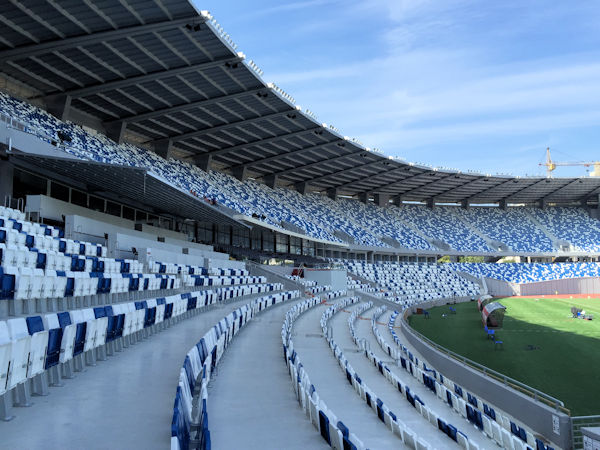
[(319, 216), (421, 408), (495, 424), (528, 272), (55, 345), (186, 269), (407, 435), (334, 432), (414, 283), (190, 413)]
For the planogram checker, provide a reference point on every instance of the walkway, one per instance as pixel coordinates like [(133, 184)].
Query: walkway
[(125, 402), (251, 402), (332, 386)]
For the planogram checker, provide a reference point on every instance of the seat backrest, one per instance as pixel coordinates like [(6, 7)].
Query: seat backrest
[(4, 334), (35, 324), (51, 321), (77, 316), (64, 319), (88, 314), (17, 328), (99, 312)]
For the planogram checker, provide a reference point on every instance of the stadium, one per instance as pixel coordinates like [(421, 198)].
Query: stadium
[(190, 260)]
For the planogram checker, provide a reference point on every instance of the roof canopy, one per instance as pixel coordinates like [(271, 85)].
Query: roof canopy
[(164, 75)]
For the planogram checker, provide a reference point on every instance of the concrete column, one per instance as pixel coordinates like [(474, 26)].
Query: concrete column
[(116, 131), (301, 187), (241, 173), (6, 180), (397, 201), (204, 162), (332, 193), (430, 202), (271, 180), (382, 199), (59, 106), (465, 204), (503, 204), (363, 197), (163, 147)]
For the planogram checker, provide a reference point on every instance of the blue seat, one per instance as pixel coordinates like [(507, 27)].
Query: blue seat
[(324, 426), (41, 261), (54, 343), (168, 311), (343, 428), (7, 285), (34, 324), (99, 312), (29, 241), (150, 317), (179, 425)]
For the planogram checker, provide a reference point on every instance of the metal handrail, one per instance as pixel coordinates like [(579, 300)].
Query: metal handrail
[(506, 380)]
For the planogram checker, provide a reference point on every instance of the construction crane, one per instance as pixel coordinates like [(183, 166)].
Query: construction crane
[(551, 165)]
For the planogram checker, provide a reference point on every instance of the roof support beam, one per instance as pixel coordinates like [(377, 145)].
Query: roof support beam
[(480, 193), (318, 163), (25, 51), (117, 84), (187, 106), (510, 197), (351, 169), (431, 183), (227, 126), (355, 182), (457, 188), (571, 183), (270, 140), (272, 158)]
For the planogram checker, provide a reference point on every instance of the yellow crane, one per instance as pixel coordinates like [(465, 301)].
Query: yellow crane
[(551, 165)]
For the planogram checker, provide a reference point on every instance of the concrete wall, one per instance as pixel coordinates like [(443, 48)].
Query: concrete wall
[(120, 246), (500, 288), (536, 415), (334, 278), (51, 208), (590, 285), (6, 180)]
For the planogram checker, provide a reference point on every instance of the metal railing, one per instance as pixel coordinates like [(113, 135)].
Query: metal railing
[(579, 422), (507, 381)]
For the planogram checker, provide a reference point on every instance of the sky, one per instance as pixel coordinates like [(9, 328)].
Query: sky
[(468, 85)]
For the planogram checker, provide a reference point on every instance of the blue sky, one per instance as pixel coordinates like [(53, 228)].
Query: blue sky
[(462, 84)]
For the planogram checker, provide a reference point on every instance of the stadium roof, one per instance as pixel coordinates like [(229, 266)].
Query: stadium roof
[(160, 73)]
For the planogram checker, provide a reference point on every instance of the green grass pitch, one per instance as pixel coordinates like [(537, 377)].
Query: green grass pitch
[(543, 346)]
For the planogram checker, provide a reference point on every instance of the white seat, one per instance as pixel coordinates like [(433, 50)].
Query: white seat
[(37, 352), (5, 353), (19, 355), (22, 282)]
